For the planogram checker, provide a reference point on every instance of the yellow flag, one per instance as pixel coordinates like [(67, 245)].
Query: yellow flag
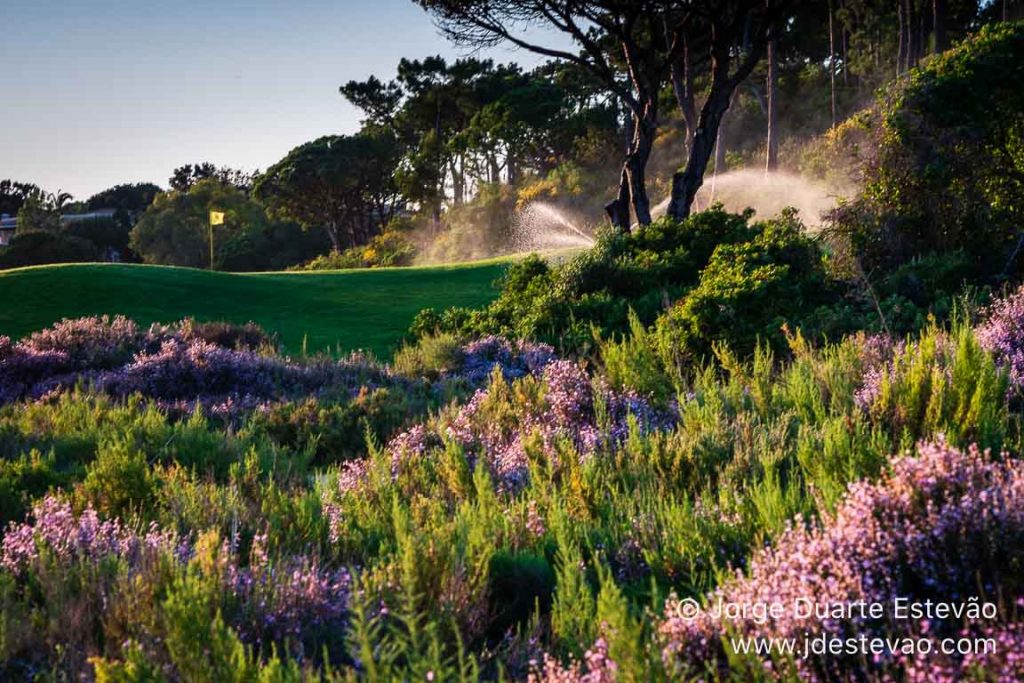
[(216, 218)]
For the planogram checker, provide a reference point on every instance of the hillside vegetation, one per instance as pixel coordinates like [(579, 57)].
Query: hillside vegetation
[(711, 447)]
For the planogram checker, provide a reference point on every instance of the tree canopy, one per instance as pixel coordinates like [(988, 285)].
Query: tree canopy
[(343, 184)]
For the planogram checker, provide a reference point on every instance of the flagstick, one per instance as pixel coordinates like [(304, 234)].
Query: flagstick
[(216, 218)]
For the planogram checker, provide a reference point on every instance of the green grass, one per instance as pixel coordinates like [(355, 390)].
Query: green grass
[(330, 310)]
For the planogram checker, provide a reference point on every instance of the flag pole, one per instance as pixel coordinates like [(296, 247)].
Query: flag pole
[(216, 218)]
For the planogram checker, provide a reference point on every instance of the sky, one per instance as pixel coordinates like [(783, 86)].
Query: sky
[(94, 94)]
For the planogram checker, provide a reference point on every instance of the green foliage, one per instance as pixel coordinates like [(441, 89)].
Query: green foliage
[(175, 230), (41, 212), (33, 248), (520, 585), (335, 433), (23, 479), (948, 168), (748, 292), (453, 576), (118, 482), (643, 271), (477, 228), (720, 278), (431, 355), (835, 156), (13, 195), (342, 184), (202, 648), (943, 384), (386, 250), (635, 362)]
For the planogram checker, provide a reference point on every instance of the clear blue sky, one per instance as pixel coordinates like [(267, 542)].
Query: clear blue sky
[(95, 93)]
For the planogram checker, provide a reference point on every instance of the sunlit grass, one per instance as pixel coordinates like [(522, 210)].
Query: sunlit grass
[(325, 310)]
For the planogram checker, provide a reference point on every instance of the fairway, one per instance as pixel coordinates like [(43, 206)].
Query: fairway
[(328, 310)]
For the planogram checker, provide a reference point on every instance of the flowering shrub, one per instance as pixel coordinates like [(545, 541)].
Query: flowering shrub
[(176, 365), (497, 429), (68, 538), (887, 540), (876, 353), (95, 342), (273, 600), (22, 368), (943, 383), (287, 599), (1003, 662), (537, 510), (596, 667), (1002, 334), (481, 357)]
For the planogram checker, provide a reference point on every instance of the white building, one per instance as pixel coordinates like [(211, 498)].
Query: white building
[(8, 224)]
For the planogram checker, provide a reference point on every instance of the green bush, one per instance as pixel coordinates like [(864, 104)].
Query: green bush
[(644, 271), (22, 480), (337, 432), (175, 230), (950, 155), (37, 247), (431, 356), (119, 481), (388, 249), (749, 292)]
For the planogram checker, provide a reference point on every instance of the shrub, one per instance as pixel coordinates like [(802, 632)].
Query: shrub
[(29, 248), (119, 481), (645, 270), (749, 292), (176, 365), (95, 342), (1002, 334), (925, 193), (23, 479), (247, 337), (336, 433), (431, 356), (388, 249), (887, 540)]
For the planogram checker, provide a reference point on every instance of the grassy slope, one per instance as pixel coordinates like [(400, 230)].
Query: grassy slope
[(344, 310)]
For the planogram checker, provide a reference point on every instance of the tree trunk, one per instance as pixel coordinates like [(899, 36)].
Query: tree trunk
[(846, 63), (436, 217), (913, 49), (721, 146), (686, 184), (458, 181), (924, 30), (332, 234), (832, 60), (493, 168), (618, 208), (632, 181), (939, 12), (682, 86), (636, 163), (901, 49), (772, 152)]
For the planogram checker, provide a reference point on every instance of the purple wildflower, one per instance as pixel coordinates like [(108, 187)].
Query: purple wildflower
[(886, 540)]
